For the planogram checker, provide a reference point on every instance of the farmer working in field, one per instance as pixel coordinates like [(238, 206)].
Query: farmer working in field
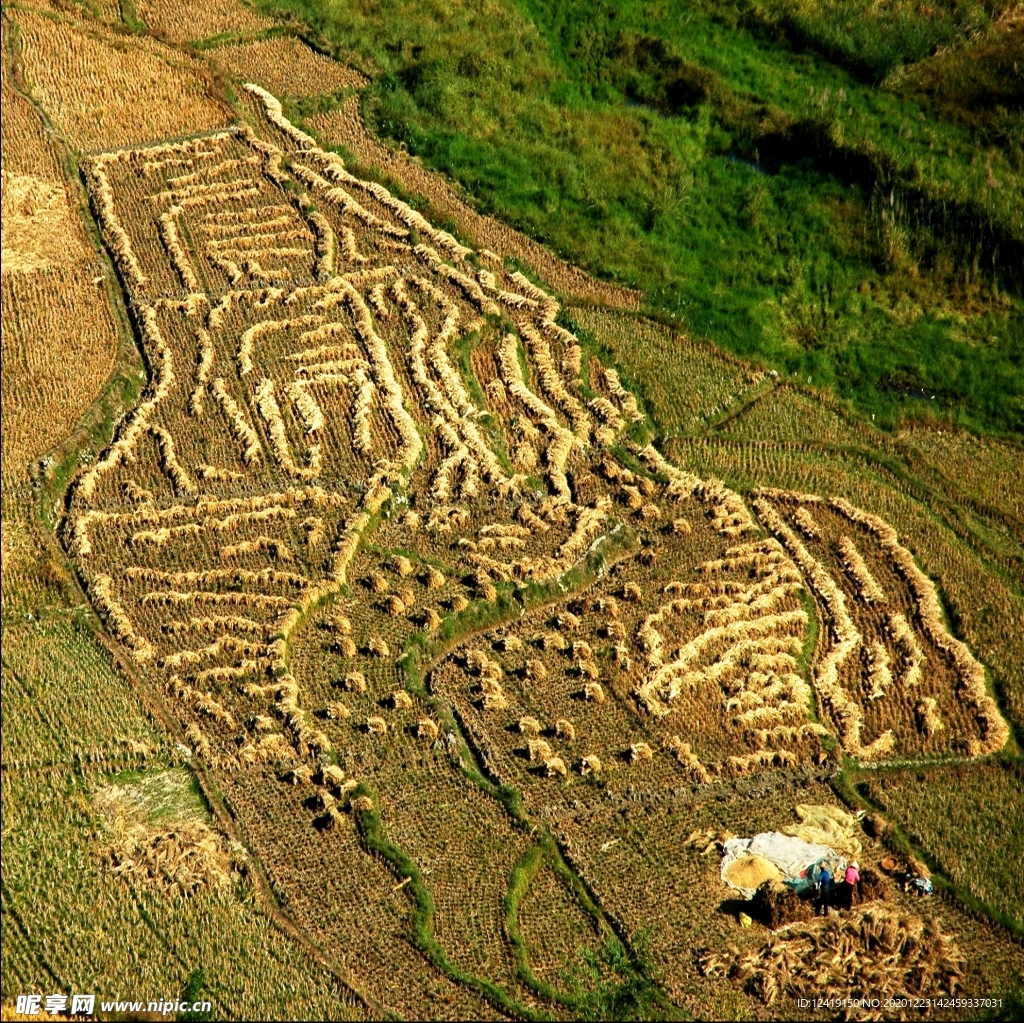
[(852, 878), (824, 888)]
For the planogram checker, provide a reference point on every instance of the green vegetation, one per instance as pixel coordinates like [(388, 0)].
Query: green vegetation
[(871, 39), (715, 156), (613, 983), (193, 993)]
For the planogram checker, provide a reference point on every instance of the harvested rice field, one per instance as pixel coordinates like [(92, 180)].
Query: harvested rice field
[(401, 621)]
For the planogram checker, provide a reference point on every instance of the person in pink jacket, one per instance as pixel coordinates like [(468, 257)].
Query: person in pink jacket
[(852, 879)]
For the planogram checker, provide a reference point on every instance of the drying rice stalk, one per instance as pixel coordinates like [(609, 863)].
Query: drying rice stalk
[(926, 714), (856, 568), (169, 462), (626, 400), (879, 675), (240, 428), (806, 523), (909, 649), (695, 770), (355, 682), (538, 750), (101, 591), (640, 751), (426, 729)]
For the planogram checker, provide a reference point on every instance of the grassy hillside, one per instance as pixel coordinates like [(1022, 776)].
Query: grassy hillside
[(782, 178)]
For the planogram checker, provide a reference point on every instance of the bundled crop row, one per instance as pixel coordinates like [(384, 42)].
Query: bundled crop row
[(213, 624), (749, 618), (626, 399), (242, 431), (237, 576), (138, 422), (805, 523), (276, 117), (183, 483), (165, 534), (206, 354), (995, 731), (171, 598), (260, 544), (879, 673), (845, 637), (324, 244), (101, 591), (856, 568), (114, 234), (206, 171), (179, 257), (259, 507), (562, 441), (695, 770), (266, 402), (909, 649)]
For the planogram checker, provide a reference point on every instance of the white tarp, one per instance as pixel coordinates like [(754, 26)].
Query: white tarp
[(791, 855)]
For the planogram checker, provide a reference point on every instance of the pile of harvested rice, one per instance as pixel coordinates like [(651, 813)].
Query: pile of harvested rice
[(875, 949), (751, 872)]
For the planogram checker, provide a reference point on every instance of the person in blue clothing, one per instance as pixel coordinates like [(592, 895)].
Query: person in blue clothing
[(824, 888)]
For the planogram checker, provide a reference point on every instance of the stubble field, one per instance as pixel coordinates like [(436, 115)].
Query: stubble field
[(396, 621)]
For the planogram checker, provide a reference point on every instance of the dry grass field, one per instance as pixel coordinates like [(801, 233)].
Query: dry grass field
[(178, 24), (287, 67), (54, 300), (101, 91), (397, 623)]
